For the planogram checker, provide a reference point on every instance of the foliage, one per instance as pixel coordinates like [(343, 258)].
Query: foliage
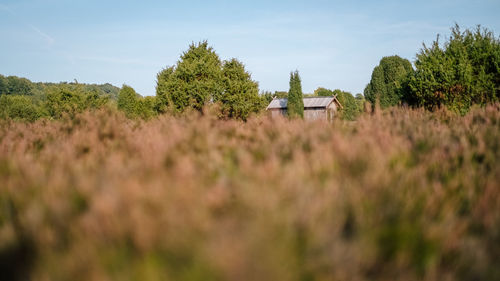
[(13, 85), (31, 101), (281, 94), (403, 195), (18, 107), (4, 86), (351, 107), (323, 92), (295, 107), (241, 94), (200, 77), (193, 82), (387, 82), (63, 101), (267, 97), (465, 71), (135, 106)]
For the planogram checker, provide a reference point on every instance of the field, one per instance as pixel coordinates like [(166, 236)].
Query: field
[(397, 195)]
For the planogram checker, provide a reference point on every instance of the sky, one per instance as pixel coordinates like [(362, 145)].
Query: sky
[(333, 44)]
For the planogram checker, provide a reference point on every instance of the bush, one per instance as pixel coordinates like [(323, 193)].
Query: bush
[(133, 105), (387, 82), (18, 108), (66, 101), (464, 72)]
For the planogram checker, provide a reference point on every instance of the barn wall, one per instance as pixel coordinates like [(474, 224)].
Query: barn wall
[(331, 111), (277, 112), (315, 114), (312, 113)]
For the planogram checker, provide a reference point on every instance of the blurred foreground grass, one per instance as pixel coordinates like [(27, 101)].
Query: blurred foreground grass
[(407, 195)]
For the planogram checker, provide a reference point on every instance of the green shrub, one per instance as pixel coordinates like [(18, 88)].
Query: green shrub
[(66, 101), (133, 105), (18, 107), (387, 82), (463, 72)]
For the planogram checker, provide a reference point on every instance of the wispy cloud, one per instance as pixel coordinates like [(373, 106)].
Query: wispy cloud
[(7, 9), (47, 38), (50, 41)]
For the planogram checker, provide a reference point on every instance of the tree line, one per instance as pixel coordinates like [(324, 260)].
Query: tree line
[(461, 72), (21, 99)]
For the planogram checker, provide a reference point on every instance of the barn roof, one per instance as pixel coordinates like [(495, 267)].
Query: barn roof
[(308, 102)]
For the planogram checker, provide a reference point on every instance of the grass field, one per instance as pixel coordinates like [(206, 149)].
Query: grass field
[(397, 195)]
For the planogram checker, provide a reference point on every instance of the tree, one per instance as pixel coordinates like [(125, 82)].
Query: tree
[(66, 100), (295, 102), (133, 105), (19, 86), (240, 95), (128, 101), (387, 82), (18, 107), (4, 88), (13, 85), (360, 102), (322, 92), (195, 80), (465, 71), (350, 106), (200, 77)]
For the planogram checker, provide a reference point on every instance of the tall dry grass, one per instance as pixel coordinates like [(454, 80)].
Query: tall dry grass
[(407, 195)]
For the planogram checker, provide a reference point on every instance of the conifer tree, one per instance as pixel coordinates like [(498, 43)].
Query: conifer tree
[(193, 81), (241, 94), (386, 84), (295, 102), (200, 77)]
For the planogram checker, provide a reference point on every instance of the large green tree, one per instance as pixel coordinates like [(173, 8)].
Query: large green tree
[(295, 95), (200, 77), (240, 95), (387, 82), (463, 72), (194, 81)]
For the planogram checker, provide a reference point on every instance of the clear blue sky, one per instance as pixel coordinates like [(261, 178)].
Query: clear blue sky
[(334, 44)]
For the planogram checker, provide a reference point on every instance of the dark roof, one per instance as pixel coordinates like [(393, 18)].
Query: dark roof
[(321, 102)]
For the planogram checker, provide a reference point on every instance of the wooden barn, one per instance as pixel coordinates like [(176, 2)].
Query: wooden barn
[(315, 108)]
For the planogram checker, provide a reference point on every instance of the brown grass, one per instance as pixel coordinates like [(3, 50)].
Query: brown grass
[(406, 195)]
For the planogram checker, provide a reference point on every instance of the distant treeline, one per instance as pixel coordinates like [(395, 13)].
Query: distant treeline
[(22, 99), (457, 74), (13, 85)]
